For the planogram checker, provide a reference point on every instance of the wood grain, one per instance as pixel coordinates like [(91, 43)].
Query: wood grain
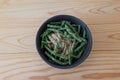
[(20, 20)]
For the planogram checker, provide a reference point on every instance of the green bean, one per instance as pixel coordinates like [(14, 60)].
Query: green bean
[(41, 45), (84, 34), (69, 59), (64, 49), (79, 28), (73, 35), (61, 29), (43, 42), (65, 34), (54, 30), (81, 45), (55, 23), (53, 26), (46, 33), (84, 40), (52, 52), (55, 49), (77, 37), (71, 27), (59, 44), (72, 47), (79, 54), (71, 52), (63, 23), (55, 60)]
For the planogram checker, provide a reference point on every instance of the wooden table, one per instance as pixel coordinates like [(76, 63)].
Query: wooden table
[(20, 20)]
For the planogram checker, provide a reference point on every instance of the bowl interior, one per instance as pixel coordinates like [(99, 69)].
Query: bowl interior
[(72, 20)]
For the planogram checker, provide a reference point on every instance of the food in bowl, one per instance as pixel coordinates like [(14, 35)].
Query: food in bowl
[(63, 42)]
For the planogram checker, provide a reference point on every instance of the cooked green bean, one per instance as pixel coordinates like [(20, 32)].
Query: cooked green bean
[(79, 54), (55, 23), (70, 26), (81, 45), (79, 28), (55, 60), (54, 26), (84, 33), (44, 41), (46, 33), (69, 59), (73, 35), (52, 52), (62, 23)]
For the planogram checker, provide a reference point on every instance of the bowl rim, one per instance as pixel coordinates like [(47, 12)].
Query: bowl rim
[(80, 60)]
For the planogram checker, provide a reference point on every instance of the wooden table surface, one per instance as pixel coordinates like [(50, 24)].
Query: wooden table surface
[(20, 20)]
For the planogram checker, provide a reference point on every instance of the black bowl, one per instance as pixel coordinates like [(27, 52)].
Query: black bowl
[(75, 21)]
